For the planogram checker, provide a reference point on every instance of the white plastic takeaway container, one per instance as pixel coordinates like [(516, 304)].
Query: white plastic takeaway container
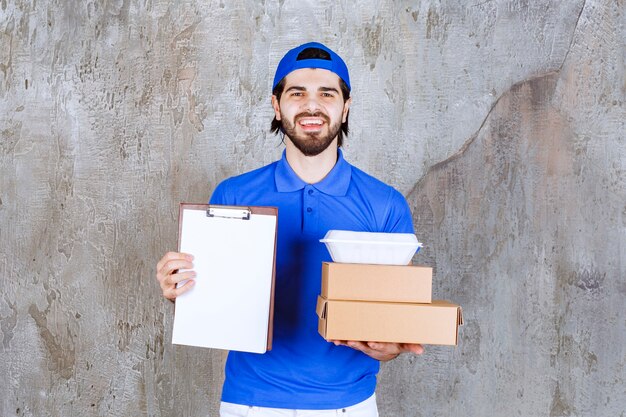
[(371, 248)]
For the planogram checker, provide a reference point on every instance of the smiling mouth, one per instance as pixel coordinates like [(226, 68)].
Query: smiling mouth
[(310, 122)]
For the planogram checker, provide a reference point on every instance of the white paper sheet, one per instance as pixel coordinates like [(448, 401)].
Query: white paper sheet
[(229, 306)]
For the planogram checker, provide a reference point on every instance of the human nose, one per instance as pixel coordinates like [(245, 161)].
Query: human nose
[(311, 104)]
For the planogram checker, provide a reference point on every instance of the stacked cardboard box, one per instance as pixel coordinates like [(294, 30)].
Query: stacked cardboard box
[(384, 303)]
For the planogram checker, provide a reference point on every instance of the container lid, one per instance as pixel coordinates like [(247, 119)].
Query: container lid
[(346, 236)]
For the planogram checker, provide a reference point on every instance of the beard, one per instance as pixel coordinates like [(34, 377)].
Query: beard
[(310, 144)]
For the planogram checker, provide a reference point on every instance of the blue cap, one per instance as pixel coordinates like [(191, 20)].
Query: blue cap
[(290, 63)]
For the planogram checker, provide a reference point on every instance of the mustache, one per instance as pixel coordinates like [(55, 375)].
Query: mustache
[(315, 114)]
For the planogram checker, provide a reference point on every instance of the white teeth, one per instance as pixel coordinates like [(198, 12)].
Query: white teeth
[(311, 122)]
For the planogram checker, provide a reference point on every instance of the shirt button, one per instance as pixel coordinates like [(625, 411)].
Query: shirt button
[(309, 209), (310, 192)]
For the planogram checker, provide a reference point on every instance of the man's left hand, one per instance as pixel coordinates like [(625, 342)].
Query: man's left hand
[(382, 351)]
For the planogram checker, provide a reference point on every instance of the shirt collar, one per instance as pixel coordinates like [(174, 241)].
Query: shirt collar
[(336, 183)]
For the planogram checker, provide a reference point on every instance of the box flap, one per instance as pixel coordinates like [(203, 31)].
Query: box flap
[(321, 307), (459, 322)]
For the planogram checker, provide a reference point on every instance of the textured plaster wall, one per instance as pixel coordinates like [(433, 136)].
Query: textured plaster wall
[(501, 121)]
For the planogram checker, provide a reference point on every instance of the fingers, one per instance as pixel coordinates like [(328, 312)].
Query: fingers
[(172, 292), (173, 257), (171, 262), (381, 351), (384, 348), (171, 268), (377, 350), (362, 346), (414, 348), (168, 275), (397, 348), (176, 278)]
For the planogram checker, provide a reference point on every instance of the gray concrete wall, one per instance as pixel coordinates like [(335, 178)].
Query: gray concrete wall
[(501, 121)]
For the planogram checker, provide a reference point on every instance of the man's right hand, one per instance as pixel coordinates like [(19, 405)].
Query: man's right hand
[(168, 275)]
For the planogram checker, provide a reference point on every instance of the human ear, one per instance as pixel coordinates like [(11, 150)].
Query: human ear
[(276, 107), (346, 108)]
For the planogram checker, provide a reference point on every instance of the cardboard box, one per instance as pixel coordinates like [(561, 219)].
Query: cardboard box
[(431, 324), (363, 282)]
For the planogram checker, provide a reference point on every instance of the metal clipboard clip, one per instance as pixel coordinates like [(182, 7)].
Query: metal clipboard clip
[(229, 212)]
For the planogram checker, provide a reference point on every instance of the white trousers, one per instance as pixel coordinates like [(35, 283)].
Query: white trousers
[(366, 408)]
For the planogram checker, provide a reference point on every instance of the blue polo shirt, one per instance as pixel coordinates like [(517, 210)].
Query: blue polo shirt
[(303, 371)]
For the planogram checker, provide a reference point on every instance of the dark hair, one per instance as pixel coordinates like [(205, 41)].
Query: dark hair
[(313, 53)]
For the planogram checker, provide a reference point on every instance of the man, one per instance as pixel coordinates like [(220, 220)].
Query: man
[(315, 190)]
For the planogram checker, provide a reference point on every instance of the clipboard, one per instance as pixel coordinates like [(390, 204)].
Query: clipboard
[(231, 305)]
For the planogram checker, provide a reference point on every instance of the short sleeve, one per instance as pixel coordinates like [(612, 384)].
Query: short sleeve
[(399, 218), (221, 195)]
